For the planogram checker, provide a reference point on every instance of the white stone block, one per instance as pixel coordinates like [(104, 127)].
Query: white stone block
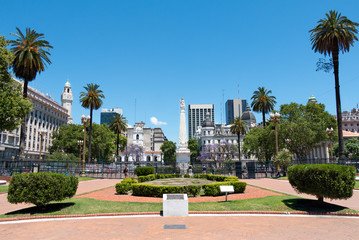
[(175, 205)]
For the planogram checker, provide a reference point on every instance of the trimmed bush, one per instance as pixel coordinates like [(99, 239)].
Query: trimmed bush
[(129, 181), (144, 171), (323, 180), (193, 190), (230, 179), (147, 178), (213, 189), (41, 188), (125, 185), (239, 187), (148, 190)]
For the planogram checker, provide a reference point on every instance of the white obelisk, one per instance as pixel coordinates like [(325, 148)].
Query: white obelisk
[(183, 153)]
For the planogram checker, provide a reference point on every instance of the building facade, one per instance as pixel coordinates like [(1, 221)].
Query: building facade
[(196, 116), (66, 100), (143, 144), (108, 114), (350, 120), (46, 116), (234, 108)]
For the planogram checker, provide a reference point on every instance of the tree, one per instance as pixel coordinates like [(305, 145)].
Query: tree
[(283, 159), (305, 126), (193, 147), (169, 149), (238, 127), (13, 107), (217, 153), (61, 156), (333, 34), (351, 148), (31, 56), (263, 102), (91, 99), (118, 125), (66, 140), (135, 151)]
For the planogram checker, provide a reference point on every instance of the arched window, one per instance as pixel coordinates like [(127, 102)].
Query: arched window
[(68, 90), (137, 137), (148, 158), (155, 158)]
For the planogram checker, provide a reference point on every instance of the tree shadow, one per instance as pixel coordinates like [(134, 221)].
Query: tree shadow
[(309, 205), (50, 208)]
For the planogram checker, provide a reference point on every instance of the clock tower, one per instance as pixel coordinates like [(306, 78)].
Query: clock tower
[(66, 100)]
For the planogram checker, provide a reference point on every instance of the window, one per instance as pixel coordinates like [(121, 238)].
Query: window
[(137, 137)]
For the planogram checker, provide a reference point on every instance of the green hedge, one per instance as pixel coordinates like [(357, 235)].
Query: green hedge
[(213, 189), (149, 190), (144, 171), (217, 178), (152, 177), (323, 180), (125, 185), (41, 188)]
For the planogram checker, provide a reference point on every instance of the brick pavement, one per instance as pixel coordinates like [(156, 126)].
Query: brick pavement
[(197, 227), (285, 187)]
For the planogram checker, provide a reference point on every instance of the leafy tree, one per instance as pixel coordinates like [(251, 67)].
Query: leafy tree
[(333, 34), (122, 143), (13, 107), (61, 156), (283, 159), (218, 153), (169, 149), (305, 126), (263, 102), (118, 125), (65, 140), (135, 151), (193, 146), (351, 148), (239, 128), (91, 99), (31, 56)]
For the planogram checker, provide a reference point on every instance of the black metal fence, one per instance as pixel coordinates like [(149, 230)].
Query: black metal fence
[(243, 169)]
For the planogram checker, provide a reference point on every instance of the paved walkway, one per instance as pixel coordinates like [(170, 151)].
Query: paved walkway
[(84, 186), (285, 187), (196, 227)]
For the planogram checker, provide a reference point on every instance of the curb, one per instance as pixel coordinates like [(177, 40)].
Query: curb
[(190, 212)]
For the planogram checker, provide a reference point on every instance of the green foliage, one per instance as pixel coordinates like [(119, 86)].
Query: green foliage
[(213, 189), (323, 180), (119, 125), (169, 149), (13, 107), (61, 156), (351, 148), (41, 188), (65, 139), (193, 146), (231, 179), (263, 102), (192, 190), (283, 159), (129, 181), (152, 177), (147, 190), (125, 185), (147, 178), (144, 171)]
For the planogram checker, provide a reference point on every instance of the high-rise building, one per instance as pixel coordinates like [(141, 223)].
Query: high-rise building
[(108, 114), (46, 117), (234, 108), (196, 115)]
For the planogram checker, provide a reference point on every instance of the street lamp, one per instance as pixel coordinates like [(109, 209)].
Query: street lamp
[(275, 118), (330, 135), (80, 143), (42, 133), (288, 141), (85, 121)]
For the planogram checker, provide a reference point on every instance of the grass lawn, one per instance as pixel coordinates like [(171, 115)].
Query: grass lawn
[(356, 185), (281, 178), (85, 178), (3, 188), (91, 206)]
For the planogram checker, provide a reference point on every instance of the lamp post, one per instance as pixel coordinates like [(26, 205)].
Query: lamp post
[(275, 118), (85, 121), (330, 135), (42, 133), (80, 143), (287, 141)]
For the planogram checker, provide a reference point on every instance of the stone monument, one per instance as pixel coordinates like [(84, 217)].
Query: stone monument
[(183, 153)]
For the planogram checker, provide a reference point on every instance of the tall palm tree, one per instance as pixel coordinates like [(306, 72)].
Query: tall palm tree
[(333, 34), (31, 57), (239, 128), (91, 99), (118, 125), (263, 102)]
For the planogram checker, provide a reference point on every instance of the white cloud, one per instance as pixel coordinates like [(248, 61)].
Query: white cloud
[(155, 121)]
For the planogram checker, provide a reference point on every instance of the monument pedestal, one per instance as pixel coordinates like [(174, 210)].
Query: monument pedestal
[(183, 159)]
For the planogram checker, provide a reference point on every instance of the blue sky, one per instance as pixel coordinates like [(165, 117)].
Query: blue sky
[(154, 52)]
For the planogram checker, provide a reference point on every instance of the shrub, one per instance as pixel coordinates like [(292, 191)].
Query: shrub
[(230, 179), (147, 178), (144, 171), (148, 190), (123, 188), (323, 180), (213, 189), (41, 188), (193, 190), (129, 181), (239, 187), (186, 176)]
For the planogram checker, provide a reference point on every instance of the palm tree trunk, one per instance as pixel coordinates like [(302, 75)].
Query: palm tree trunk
[(264, 124), (337, 97), (239, 147), (23, 125), (264, 118), (89, 156), (118, 140)]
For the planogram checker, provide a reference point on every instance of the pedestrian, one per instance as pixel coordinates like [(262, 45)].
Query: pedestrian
[(125, 171), (204, 169), (190, 170)]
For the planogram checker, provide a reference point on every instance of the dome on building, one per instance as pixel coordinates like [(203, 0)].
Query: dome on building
[(208, 122), (67, 84), (248, 115), (312, 99)]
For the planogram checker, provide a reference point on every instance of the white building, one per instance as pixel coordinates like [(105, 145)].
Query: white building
[(143, 144), (196, 115), (46, 116)]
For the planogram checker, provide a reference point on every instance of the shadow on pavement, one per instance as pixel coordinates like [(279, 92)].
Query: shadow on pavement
[(309, 205)]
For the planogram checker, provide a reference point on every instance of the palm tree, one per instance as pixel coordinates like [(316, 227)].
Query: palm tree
[(31, 57), (333, 34), (238, 127), (262, 102), (118, 125), (91, 99)]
